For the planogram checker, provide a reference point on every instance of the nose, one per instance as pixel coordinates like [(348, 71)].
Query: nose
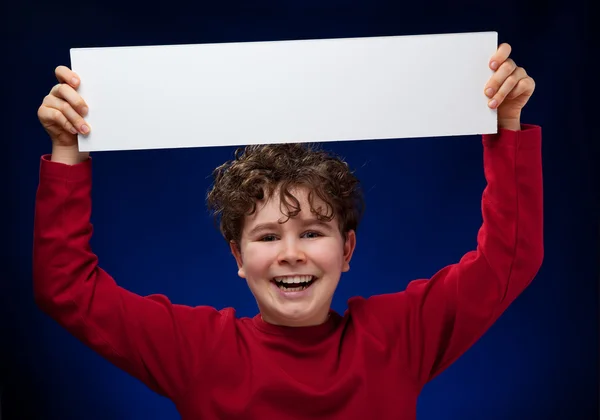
[(291, 252)]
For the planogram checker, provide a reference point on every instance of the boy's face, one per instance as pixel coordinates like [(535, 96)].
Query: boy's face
[(273, 254)]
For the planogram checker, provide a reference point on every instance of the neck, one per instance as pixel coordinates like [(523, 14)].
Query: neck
[(297, 324)]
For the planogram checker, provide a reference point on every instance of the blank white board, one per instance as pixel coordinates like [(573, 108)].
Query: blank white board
[(175, 96)]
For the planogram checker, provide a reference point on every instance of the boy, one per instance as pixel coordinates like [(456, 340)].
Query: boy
[(290, 216)]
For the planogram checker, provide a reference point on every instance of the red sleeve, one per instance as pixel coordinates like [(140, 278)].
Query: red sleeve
[(158, 342), (433, 322)]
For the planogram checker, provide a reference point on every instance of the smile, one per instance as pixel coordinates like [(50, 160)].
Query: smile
[(294, 283)]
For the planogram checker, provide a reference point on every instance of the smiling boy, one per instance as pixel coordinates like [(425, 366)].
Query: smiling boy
[(290, 214)]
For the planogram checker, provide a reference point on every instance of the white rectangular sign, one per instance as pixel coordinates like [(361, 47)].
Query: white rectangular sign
[(153, 97)]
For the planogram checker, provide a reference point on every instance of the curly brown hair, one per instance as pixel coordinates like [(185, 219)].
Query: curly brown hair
[(257, 171)]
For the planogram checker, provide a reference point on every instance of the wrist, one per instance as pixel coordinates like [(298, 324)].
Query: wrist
[(510, 124), (69, 155)]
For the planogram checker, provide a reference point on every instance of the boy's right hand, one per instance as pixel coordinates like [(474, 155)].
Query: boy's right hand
[(63, 110)]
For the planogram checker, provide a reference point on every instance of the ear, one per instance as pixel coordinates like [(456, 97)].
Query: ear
[(237, 254), (349, 247)]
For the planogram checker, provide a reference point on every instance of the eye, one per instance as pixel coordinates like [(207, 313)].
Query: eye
[(312, 235), (267, 238)]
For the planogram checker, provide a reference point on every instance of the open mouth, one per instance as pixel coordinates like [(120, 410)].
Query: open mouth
[(294, 283)]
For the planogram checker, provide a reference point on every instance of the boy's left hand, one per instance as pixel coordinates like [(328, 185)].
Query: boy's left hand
[(509, 88)]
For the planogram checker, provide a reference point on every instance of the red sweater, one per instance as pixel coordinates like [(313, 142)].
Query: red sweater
[(369, 363)]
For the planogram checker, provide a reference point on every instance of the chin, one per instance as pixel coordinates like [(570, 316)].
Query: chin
[(295, 308)]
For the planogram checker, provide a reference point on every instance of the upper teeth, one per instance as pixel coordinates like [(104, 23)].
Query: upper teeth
[(294, 279)]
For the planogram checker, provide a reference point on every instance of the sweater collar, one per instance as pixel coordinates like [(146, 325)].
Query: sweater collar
[(315, 332)]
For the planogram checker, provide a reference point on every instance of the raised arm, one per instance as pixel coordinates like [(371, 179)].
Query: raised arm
[(434, 321), (152, 339), (448, 313)]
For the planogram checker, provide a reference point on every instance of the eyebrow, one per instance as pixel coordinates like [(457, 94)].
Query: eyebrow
[(274, 226)]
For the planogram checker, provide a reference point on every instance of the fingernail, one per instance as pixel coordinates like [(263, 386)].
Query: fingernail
[(84, 111), (494, 65), (74, 80), (492, 103), (72, 130), (85, 129), (489, 91)]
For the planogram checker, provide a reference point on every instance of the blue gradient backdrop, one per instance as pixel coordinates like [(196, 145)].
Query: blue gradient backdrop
[(152, 233)]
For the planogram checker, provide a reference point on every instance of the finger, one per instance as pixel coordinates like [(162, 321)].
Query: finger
[(67, 111), (525, 86), (498, 78), (66, 75), (500, 56), (507, 87), (67, 93), (54, 117)]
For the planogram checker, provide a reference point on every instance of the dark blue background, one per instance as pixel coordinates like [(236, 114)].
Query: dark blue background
[(153, 235)]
